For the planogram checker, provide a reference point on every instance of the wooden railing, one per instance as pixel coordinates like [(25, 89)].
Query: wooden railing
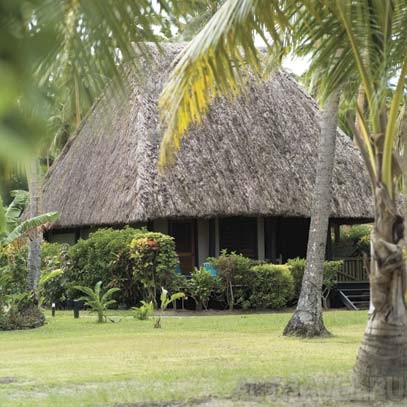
[(353, 270)]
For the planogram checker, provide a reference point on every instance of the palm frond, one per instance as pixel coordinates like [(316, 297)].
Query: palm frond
[(391, 130), (29, 225), (47, 277), (14, 210), (86, 290), (109, 293), (108, 303), (212, 63), (3, 219)]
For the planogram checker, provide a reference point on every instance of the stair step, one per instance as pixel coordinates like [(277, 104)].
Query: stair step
[(355, 298), (359, 296), (355, 289)]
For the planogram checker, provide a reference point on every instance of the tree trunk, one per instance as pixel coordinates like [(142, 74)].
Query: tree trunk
[(381, 364), (34, 248), (307, 320)]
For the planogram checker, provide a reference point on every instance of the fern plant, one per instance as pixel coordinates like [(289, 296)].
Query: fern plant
[(96, 300)]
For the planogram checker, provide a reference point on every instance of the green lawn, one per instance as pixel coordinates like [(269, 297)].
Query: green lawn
[(80, 363)]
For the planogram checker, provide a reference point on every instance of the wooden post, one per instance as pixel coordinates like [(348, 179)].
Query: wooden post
[(337, 232)]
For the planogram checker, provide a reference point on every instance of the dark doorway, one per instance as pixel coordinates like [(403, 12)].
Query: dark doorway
[(239, 234), (184, 234), (292, 238)]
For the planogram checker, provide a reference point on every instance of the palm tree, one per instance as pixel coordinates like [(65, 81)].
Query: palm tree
[(210, 63), (371, 37), (91, 42), (307, 319)]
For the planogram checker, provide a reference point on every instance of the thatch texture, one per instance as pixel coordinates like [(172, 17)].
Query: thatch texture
[(252, 156)]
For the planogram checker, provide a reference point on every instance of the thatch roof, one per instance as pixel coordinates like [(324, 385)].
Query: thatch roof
[(252, 156)]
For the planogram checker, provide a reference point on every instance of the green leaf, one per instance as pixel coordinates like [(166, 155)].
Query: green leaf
[(29, 225)]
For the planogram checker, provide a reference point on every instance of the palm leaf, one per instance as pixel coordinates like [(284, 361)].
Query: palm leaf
[(176, 296), (109, 293), (29, 225), (98, 286), (108, 303), (47, 277), (86, 290), (14, 210), (210, 65), (3, 219), (391, 130)]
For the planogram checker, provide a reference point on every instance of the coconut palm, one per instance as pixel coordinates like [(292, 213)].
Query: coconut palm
[(210, 63), (80, 47), (371, 37)]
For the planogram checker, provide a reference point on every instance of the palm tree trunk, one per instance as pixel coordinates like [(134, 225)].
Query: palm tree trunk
[(382, 358), (307, 320), (34, 248)]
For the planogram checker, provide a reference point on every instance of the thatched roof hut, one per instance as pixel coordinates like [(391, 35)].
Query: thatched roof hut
[(254, 157)]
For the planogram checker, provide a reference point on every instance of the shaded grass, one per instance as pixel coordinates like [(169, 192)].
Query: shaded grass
[(80, 363)]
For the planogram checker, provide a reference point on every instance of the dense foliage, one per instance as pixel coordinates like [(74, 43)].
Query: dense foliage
[(272, 286), (105, 256), (154, 262), (358, 235), (233, 270), (201, 286), (54, 284), (297, 267), (139, 263), (16, 310)]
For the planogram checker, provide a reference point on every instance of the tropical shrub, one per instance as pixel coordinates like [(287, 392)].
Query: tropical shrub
[(105, 256), (145, 311), (16, 310), (331, 268), (20, 313), (272, 286), (359, 235), (166, 300), (13, 270), (154, 262), (55, 264), (297, 267), (233, 270), (96, 300), (200, 287)]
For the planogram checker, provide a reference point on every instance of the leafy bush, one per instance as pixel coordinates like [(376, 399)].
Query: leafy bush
[(200, 287), (145, 311), (297, 267), (331, 269), (356, 232), (105, 256), (272, 286), (55, 263), (20, 313), (233, 270), (13, 270), (154, 262), (359, 235), (364, 244), (17, 310)]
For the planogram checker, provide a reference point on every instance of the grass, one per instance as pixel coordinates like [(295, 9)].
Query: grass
[(80, 363)]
